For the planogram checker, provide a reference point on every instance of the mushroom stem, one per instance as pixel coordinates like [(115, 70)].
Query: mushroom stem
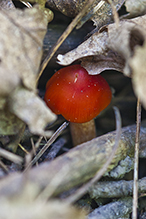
[(82, 132)]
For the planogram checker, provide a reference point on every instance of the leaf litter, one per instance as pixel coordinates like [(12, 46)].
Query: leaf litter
[(120, 48), (21, 41)]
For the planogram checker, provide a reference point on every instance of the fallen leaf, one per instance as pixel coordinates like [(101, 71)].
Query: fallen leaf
[(96, 45), (100, 11), (135, 8), (21, 41), (23, 209), (104, 15), (126, 37), (25, 203), (21, 53), (112, 47), (121, 48), (31, 109), (97, 64), (138, 65), (94, 55)]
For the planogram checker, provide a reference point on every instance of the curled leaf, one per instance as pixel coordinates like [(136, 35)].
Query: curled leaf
[(94, 54), (95, 45), (31, 109), (110, 49)]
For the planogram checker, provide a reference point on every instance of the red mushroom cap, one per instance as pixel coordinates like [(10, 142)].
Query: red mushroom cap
[(76, 95)]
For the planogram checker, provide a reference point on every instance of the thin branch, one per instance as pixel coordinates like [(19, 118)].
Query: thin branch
[(136, 161), (116, 209), (4, 167), (47, 145), (10, 156), (116, 189), (78, 165)]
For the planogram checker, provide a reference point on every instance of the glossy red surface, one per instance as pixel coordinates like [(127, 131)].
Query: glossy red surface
[(76, 95)]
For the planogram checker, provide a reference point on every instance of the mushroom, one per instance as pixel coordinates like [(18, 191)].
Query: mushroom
[(79, 98)]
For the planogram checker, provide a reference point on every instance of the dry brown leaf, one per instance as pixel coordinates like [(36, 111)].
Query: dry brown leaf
[(100, 11), (97, 64), (112, 48), (31, 109), (126, 37), (24, 204), (76, 166), (129, 41), (135, 8), (94, 54), (96, 45), (104, 15), (23, 209), (138, 65), (121, 48), (21, 40)]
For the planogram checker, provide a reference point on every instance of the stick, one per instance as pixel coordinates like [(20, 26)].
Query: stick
[(136, 160)]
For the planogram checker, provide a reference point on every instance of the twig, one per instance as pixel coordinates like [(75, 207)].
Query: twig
[(116, 189), (81, 163), (10, 156), (81, 191), (27, 4), (55, 149), (4, 167), (64, 36), (29, 156), (136, 160), (23, 149), (123, 167), (116, 209), (47, 145), (34, 149)]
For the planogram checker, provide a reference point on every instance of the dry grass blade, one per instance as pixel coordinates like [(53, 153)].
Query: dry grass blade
[(103, 169), (47, 145), (10, 156), (27, 4), (29, 156), (136, 159)]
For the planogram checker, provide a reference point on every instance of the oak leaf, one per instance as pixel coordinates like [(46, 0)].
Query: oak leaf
[(21, 42)]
